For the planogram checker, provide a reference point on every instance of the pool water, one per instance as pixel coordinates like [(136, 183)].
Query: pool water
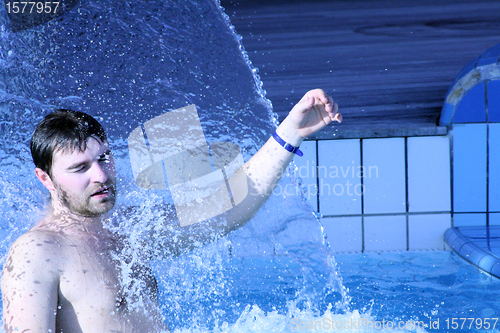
[(422, 286), (425, 291)]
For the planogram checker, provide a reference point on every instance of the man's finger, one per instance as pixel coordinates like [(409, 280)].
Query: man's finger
[(337, 117), (305, 104)]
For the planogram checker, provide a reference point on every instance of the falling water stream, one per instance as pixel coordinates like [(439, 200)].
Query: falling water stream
[(126, 62)]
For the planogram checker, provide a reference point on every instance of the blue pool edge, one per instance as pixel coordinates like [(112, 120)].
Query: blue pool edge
[(476, 244)]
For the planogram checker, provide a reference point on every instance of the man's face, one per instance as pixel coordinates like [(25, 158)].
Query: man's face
[(85, 182)]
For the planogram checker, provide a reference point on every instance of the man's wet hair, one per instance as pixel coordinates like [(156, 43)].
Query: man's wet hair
[(63, 130)]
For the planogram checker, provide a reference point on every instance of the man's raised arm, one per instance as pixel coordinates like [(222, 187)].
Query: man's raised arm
[(263, 171), (30, 285)]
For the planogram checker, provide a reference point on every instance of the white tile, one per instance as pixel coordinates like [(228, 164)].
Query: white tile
[(306, 171), (385, 176), (429, 174), (343, 233), (339, 174), (426, 232), (385, 233), (469, 167)]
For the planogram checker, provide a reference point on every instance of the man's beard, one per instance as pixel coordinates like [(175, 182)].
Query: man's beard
[(85, 205)]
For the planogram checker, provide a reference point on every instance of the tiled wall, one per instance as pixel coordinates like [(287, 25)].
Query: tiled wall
[(472, 113), (385, 194), (393, 194), (476, 179)]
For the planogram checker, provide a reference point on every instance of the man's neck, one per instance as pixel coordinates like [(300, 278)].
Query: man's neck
[(63, 220)]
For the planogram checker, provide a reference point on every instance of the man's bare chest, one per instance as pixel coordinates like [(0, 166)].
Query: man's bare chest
[(90, 278)]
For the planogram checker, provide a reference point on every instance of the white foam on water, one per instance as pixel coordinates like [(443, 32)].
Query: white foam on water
[(255, 320)]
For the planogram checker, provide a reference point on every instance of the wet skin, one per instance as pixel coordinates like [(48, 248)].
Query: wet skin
[(63, 274)]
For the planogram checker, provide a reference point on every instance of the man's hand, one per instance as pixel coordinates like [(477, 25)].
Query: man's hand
[(312, 113)]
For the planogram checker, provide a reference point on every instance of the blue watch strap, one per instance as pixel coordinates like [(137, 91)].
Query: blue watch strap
[(286, 145)]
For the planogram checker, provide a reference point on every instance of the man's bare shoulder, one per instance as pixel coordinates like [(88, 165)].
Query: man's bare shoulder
[(30, 280), (36, 247), (39, 239)]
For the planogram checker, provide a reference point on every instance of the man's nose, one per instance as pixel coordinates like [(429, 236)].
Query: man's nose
[(99, 173)]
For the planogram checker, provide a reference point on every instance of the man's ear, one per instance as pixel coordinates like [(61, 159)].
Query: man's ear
[(45, 179)]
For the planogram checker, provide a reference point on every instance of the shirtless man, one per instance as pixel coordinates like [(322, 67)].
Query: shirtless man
[(62, 276)]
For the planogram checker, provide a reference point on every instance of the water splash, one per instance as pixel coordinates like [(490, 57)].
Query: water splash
[(125, 63)]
